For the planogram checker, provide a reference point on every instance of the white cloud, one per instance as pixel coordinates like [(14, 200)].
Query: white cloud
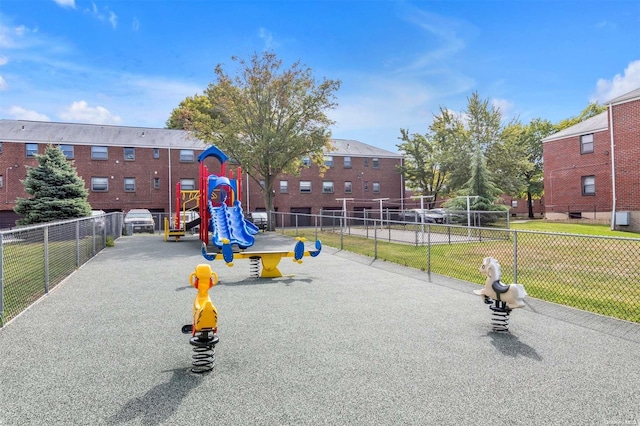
[(618, 85), (81, 112), (20, 113), (135, 26), (3, 83), (66, 3), (110, 16), (3, 60), (267, 37), (503, 105)]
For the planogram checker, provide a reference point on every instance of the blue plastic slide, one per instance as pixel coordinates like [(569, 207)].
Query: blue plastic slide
[(229, 223)]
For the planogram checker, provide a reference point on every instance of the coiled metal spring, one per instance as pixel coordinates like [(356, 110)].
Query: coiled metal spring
[(204, 355), (500, 316), (254, 266)]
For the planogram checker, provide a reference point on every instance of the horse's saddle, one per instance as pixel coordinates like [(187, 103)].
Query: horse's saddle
[(499, 288)]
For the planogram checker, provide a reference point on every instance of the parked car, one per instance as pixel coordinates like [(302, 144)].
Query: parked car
[(417, 215), (259, 219), (140, 220)]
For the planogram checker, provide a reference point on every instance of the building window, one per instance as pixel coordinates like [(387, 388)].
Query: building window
[(99, 184), (32, 149), (130, 154), (347, 162), (284, 186), (376, 186), (328, 161), (366, 185), (327, 187), (187, 156), (99, 153), (0, 147), (187, 184), (156, 183), (129, 184), (366, 162), (305, 186), (348, 187), (306, 161), (514, 203), (1, 181), (375, 163), (586, 144), (588, 185), (67, 150), (156, 152)]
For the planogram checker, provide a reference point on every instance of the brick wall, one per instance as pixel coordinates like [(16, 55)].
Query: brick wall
[(564, 167), (626, 134)]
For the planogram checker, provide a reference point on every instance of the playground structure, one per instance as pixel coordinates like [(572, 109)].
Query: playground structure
[(204, 326), (503, 298), (222, 222)]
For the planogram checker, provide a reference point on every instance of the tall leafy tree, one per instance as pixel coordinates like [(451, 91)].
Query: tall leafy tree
[(421, 166), (591, 110), (265, 117), (57, 191)]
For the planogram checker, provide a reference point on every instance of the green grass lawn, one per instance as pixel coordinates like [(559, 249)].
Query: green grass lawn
[(586, 271), (569, 228)]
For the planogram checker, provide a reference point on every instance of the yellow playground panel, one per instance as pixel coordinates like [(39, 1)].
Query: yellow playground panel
[(189, 202)]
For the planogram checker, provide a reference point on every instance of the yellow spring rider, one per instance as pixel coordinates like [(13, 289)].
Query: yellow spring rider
[(204, 327)]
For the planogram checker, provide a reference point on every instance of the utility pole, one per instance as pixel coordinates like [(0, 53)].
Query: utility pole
[(344, 209)]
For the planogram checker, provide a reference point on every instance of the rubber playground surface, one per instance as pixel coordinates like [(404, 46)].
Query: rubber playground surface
[(339, 340)]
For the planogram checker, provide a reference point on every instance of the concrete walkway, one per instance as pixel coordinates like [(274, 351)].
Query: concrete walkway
[(344, 341)]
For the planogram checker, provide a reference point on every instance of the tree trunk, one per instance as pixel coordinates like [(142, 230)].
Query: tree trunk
[(269, 195), (530, 204)]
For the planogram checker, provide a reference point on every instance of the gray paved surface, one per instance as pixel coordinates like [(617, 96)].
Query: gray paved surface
[(342, 342)]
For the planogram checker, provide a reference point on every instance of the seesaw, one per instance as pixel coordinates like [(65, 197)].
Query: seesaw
[(269, 259)]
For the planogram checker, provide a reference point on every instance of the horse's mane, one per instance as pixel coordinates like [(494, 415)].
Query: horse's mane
[(496, 267)]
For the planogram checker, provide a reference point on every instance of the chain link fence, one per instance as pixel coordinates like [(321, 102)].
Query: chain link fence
[(34, 259), (591, 273)]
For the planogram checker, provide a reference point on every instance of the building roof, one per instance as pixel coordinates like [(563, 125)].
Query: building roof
[(24, 131), (630, 96), (597, 123), (95, 134), (345, 147)]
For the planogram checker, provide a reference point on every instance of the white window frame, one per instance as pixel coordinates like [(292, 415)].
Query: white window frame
[(284, 186), (187, 184), (97, 153), (376, 187), (67, 150), (129, 184), (187, 156), (305, 186), (131, 156), (327, 187), (98, 182), (589, 185), (348, 187), (586, 144), (30, 152)]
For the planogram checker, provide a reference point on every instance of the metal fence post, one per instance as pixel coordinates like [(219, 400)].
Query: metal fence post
[(429, 252), (341, 235), (375, 240), (515, 257), (46, 259), (78, 244), (1, 284)]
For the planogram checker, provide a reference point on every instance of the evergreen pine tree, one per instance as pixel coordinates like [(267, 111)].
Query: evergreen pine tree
[(58, 193)]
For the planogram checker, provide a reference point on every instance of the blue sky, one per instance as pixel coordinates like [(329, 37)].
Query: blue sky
[(130, 62)]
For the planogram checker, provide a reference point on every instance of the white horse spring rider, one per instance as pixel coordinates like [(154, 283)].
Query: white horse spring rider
[(512, 294)]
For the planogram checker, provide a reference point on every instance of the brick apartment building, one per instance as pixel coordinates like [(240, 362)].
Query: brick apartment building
[(359, 172), (592, 169), (134, 167)]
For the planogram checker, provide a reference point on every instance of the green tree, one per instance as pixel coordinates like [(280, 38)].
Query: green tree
[(264, 117), (591, 110), (57, 191), (421, 167)]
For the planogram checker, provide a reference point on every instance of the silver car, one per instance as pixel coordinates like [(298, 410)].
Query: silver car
[(140, 220)]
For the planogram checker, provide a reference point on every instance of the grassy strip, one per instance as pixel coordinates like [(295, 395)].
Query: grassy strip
[(24, 270), (592, 274)]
